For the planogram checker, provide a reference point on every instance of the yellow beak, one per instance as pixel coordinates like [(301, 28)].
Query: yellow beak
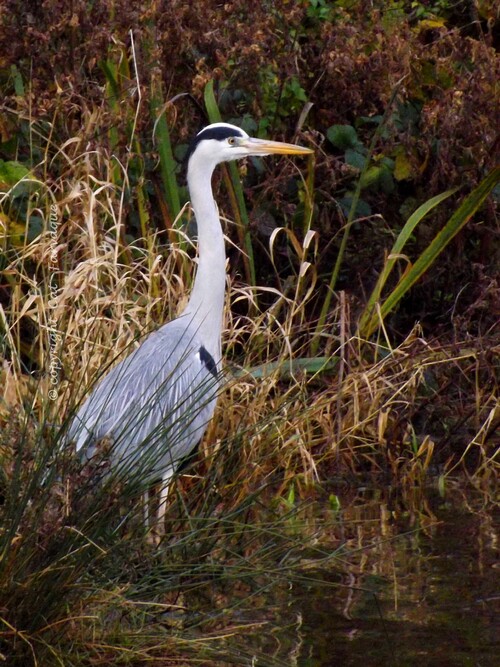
[(265, 147)]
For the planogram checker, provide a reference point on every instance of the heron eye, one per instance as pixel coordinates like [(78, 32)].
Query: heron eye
[(231, 141)]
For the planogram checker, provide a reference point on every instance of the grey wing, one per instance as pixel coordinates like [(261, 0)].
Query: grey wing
[(154, 406)]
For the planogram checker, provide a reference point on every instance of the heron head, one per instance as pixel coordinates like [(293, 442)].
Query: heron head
[(222, 142)]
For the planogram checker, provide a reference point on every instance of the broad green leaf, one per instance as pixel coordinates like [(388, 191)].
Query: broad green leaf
[(343, 136), (386, 180), (402, 168), (11, 173), (355, 159), (370, 176), (362, 210), (371, 120)]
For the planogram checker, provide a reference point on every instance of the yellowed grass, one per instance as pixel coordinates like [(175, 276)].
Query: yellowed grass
[(293, 429), (110, 293)]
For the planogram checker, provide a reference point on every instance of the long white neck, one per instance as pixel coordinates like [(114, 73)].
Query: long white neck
[(206, 303)]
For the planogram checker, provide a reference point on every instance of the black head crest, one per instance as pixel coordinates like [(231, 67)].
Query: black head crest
[(217, 132)]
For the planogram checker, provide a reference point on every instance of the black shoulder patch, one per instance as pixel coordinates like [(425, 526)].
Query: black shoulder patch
[(218, 133), (207, 359)]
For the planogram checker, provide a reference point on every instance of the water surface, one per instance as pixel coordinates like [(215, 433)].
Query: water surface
[(419, 584)]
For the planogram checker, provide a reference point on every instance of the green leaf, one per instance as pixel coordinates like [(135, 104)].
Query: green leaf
[(402, 168), (35, 227), (12, 172), (354, 158), (386, 180), (18, 81), (371, 120), (370, 176), (442, 486), (287, 369), (362, 210), (343, 136), (334, 502)]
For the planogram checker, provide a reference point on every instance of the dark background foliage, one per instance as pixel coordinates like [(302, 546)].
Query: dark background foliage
[(430, 67)]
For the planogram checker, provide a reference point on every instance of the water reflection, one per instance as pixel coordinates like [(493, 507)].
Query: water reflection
[(418, 584)]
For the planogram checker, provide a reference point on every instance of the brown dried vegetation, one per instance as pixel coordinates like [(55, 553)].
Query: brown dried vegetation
[(419, 400), (348, 66)]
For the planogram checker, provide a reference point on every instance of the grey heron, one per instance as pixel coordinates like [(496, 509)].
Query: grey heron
[(153, 407)]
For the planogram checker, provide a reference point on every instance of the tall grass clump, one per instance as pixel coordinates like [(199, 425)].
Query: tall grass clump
[(81, 583)]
